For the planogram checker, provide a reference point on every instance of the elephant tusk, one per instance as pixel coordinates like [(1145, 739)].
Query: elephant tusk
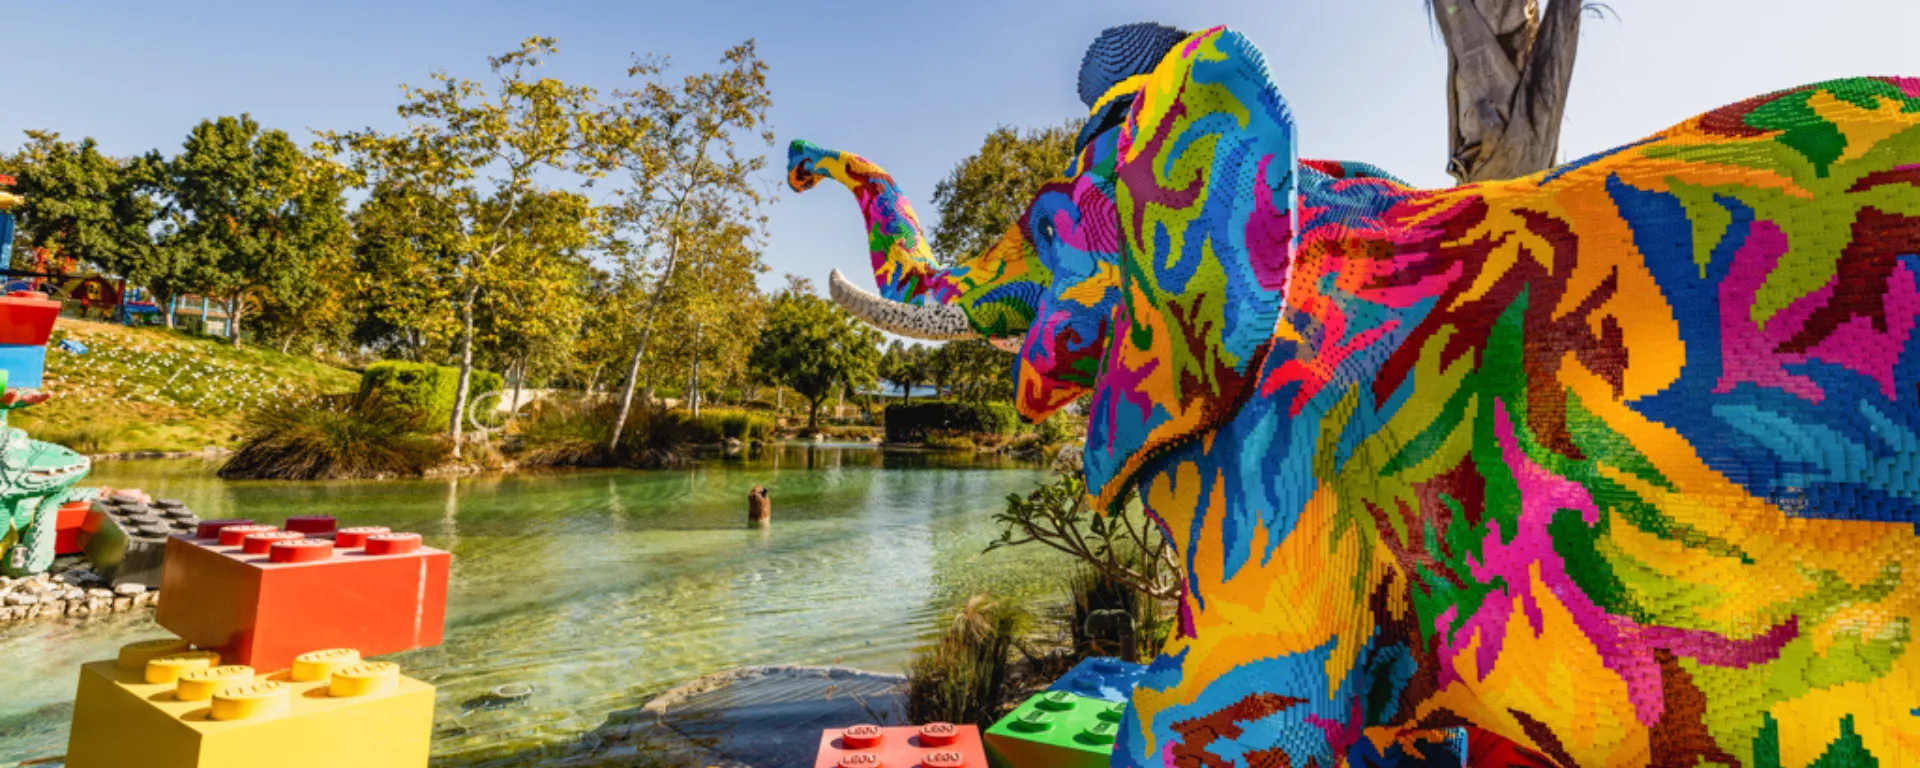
[(940, 322)]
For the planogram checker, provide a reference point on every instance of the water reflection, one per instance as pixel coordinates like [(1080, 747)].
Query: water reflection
[(599, 587)]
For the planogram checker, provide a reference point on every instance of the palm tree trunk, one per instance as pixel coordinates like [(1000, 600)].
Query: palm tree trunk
[(1508, 71)]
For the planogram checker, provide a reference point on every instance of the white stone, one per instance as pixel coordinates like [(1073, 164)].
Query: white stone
[(21, 599), (122, 603), (129, 589), (98, 592)]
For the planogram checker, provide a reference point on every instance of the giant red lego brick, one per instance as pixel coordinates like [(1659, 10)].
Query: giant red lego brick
[(262, 611), (934, 745)]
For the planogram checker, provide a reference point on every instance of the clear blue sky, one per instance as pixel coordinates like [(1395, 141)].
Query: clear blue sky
[(912, 85)]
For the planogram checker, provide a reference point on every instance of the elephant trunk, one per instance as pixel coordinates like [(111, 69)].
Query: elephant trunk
[(916, 294)]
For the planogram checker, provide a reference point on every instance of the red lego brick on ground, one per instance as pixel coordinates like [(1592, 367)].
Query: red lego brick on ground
[(935, 745)]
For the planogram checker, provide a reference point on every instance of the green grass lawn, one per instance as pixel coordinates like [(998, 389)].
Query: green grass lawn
[(148, 389)]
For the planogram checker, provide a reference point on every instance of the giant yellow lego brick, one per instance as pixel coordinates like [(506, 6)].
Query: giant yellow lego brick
[(364, 715)]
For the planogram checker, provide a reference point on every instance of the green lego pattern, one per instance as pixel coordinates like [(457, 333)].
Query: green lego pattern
[(35, 479), (1056, 729)]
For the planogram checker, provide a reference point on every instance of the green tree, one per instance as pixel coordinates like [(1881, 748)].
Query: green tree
[(538, 290), (813, 346), (403, 253), (974, 371), (905, 365), (713, 308), (688, 167), (251, 204), (476, 155), (983, 195), (85, 204)]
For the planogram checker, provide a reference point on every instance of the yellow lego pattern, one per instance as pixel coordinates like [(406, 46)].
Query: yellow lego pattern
[(345, 712)]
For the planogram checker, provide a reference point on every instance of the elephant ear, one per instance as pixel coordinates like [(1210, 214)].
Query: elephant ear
[(1123, 52), (1206, 180)]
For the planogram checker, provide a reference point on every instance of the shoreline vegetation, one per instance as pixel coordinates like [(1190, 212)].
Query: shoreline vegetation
[(377, 434)]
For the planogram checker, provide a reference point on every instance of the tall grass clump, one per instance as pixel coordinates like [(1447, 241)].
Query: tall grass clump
[(333, 438), (563, 433), (574, 433), (961, 677), (717, 424)]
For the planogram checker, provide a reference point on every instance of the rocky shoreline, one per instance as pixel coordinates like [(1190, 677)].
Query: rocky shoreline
[(70, 588)]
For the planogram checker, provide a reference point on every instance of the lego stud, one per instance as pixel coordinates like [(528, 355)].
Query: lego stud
[(1034, 721), (266, 698), (312, 525), (364, 678), (300, 551), (234, 535), (860, 760), (938, 734), (1109, 666), (200, 685), (166, 670), (356, 537), (947, 759), (392, 543), (136, 655), (210, 529), (1055, 701), (1113, 713), (314, 666), (1086, 682), (259, 543), (1099, 733), (861, 737)]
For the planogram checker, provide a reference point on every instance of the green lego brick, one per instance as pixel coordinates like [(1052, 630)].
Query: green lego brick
[(1056, 729)]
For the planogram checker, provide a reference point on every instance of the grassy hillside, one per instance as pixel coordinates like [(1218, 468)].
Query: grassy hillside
[(145, 389)]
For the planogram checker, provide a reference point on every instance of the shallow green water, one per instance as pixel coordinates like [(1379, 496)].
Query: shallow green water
[(598, 588)]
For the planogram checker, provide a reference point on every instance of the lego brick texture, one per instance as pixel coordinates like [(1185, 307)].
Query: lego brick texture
[(119, 720), (263, 614), (1615, 464), (1101, 678)]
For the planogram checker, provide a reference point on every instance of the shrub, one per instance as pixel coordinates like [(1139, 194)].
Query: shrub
[(962, 676), (915, 422), (849, 432), (333, 438), (950, 443), (717, 424), (424, 387), (574, 433)]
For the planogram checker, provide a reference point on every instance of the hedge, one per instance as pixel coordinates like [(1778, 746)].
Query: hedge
[(425, 387), (915, 422)]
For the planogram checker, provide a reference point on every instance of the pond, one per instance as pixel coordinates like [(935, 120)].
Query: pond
[(600, 588)]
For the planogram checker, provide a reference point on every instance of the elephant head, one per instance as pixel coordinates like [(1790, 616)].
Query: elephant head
[(1150, 273)]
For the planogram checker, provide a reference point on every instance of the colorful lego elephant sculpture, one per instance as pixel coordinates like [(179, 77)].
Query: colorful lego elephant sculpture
[(1619, 462)]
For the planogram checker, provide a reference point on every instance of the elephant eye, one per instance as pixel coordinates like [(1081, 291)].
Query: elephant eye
[(1046, 229)]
